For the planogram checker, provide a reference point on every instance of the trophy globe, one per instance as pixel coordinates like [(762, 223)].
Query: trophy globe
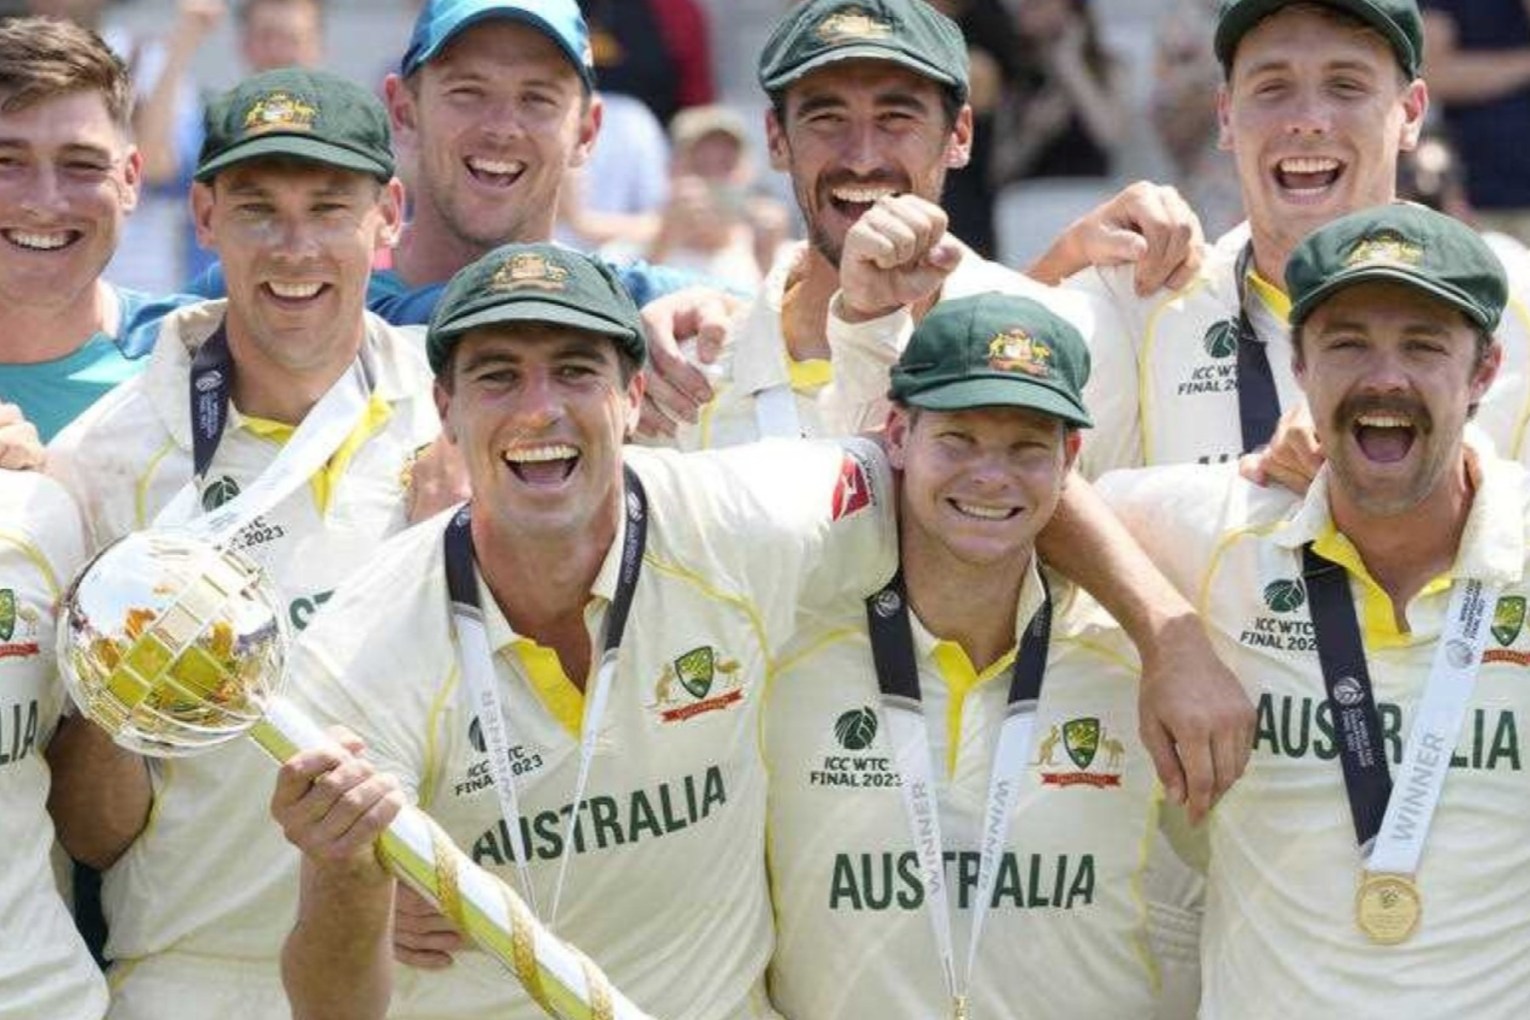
[(174, 646), (170, 643)]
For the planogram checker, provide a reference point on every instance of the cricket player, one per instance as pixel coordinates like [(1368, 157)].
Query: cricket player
[(296, 192), (981, 692), (627, 802), (868, 113), (45, 969), (1320, 98), (1372, 860)]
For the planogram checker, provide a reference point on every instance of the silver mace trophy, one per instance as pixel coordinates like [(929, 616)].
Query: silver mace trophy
[(174, 645)]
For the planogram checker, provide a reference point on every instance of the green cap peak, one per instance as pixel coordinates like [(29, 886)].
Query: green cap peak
[(994, 350), (1399, 243), (535, 283)]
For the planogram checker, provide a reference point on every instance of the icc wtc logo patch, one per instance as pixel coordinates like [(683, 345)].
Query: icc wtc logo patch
[(1508, 623), (1285, 596), (1222, 339), (856, 729), (695, 673), (1087, 744)]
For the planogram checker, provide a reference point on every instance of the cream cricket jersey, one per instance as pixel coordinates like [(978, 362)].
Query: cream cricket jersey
[(1066, 935), (1280, 937), (211, 874), (826, 399), (1164, 390), (666, 886), (45, 970)]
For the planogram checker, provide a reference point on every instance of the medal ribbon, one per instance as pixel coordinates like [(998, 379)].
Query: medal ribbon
[(483, 685), (322, 431), (1391, 830), (1258, 401), (892, 650)]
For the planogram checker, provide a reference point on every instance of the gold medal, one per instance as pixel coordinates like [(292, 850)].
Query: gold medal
[(1388, 908), (959, 1008)]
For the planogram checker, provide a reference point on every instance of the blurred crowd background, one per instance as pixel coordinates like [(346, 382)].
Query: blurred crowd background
[(1074, 98)]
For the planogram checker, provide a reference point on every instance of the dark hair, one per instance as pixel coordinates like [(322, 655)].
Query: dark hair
[(44, 58)]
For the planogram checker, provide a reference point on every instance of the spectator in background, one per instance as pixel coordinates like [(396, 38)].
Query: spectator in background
[(1477, 53), (1067, 111), (675, 73), (993, 54), (272, 34), (1183, 107), (281, 33), (625, 176), (714, 222)]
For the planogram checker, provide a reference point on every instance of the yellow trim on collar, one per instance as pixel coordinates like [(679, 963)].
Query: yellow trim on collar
[(1378, 617), (544, 672), (961, 679), (325, 482), (1273, 297), (810, 376)]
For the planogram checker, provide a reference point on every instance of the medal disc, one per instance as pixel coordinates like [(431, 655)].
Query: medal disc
[(1388, 908)]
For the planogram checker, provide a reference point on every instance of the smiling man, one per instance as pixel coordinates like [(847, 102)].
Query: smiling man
[(1372, 858), (1320, 98), (630, 604), (68, 180), (289, 379), (980, 690)]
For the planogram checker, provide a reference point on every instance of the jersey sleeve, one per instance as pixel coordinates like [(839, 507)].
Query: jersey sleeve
[(1175, 513), (1112, 392), (863, 355)]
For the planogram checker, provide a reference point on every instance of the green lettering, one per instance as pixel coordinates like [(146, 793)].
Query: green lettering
[(1505, 742), (1007, 884), (712, 790), (642, 817), (1264, 724), (1083, 882), (843, 884), (605, 817)]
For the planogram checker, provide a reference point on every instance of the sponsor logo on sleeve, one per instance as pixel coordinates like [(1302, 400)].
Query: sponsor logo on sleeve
[(852, 492)]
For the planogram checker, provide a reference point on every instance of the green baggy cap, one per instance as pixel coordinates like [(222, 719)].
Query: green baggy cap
[(313, 116), (537, 283), (910, 33), (994, 350), (1399, 243)]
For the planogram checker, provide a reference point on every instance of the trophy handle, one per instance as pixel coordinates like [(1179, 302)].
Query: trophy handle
[(561, 979)]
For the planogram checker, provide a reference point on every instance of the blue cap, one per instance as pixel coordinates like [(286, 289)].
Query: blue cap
[(559, 20)]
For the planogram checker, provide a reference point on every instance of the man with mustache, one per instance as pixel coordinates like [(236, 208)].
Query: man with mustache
[(1373, 856)]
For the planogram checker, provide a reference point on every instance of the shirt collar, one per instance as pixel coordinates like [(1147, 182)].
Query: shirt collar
[(388, 350), (501, 635), (1493, 542)]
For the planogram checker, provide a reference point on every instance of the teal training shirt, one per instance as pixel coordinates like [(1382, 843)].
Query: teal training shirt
[(53, 393)]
